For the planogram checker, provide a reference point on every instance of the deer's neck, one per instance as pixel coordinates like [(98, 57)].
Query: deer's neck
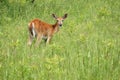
[(56, 27)]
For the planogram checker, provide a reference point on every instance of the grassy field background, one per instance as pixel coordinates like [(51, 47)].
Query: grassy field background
[(87, 47)]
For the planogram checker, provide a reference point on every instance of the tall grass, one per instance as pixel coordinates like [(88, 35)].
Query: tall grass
[(85, 48)]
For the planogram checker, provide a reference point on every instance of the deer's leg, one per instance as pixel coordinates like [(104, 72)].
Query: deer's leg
[(30, 39), (48, 39), (39, 38)]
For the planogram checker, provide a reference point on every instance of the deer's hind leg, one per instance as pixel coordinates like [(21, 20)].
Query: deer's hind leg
[(39, 38), (30, 39)]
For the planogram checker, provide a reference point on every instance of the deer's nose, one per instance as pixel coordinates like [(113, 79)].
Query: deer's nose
[(60, 25)]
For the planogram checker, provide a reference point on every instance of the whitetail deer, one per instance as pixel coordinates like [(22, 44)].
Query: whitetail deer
[(40, 29)]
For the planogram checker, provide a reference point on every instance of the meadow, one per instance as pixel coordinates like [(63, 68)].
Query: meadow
[(87, 47)]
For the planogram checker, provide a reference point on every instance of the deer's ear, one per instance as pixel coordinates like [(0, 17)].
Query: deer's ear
[(54, 16), (65, 16)]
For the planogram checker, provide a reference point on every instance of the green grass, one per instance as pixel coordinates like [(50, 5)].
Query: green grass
[(87, 47)]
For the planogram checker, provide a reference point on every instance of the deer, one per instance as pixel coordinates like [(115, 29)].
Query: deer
[(42, 30)]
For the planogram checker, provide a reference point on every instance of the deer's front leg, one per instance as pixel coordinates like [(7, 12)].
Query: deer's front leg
[(48, 39)]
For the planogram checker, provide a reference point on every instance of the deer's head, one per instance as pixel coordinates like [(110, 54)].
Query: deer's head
[(59, 19)]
